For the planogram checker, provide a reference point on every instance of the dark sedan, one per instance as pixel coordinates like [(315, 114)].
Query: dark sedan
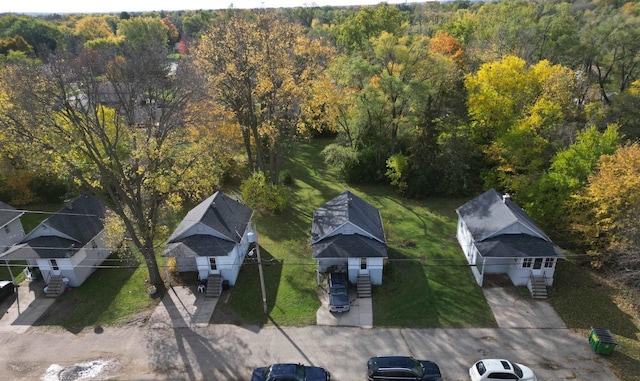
[(6, 289), (402, 368), (290, 372)]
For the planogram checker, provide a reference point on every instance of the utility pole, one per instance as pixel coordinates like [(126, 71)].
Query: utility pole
[(253, 238)]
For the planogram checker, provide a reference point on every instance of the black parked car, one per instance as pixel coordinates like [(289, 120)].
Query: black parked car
[(402, 368), (338, 294), (7, 289), (290, 372)]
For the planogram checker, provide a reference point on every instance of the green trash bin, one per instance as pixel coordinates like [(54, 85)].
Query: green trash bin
[(602, 341)]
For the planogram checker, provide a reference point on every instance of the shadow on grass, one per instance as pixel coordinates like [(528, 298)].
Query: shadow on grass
[(92, 303), (423, 295), (245, 304), (583, 300)]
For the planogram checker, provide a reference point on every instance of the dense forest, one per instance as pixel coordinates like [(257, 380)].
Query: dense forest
[(539, 99)]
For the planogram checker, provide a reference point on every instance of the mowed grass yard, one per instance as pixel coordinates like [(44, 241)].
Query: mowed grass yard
[(435, 291)]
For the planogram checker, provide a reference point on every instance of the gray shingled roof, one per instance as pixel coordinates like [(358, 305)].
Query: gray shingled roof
[(8, 213), (349, 246), (489, 214), (217, 214), (342, 209), (80, 221)]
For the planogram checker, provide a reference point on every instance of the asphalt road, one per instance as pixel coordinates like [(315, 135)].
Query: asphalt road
[(226, 352)]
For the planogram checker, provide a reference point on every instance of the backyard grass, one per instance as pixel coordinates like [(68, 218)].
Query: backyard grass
[(426, 282), (585, 298)]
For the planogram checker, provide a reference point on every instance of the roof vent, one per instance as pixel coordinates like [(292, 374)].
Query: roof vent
[(506, 197), (68, 203)]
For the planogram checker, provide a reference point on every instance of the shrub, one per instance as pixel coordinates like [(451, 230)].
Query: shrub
[(261, 195)]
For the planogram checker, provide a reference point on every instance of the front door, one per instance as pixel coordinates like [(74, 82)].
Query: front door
[(363, 267), (55, 268), (213, 266), (536, 269)]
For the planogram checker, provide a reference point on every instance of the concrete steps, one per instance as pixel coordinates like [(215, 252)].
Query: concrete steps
[(363, 284), (55, 287), (214, 286), (538, 288)]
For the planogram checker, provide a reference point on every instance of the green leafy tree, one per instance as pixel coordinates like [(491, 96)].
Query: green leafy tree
[(115, 126), (144, 31), (354, 32)]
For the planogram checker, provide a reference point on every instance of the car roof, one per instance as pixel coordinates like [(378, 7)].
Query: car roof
[(382, 362), (497, 365)]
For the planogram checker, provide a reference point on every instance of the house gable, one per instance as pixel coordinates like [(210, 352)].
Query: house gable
[(347, 214), (219, 216), (65, 232), (347, 226), (490, 215), (212, 228)]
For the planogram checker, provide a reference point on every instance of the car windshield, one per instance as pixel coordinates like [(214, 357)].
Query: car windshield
[(517, 370), (338, 291)]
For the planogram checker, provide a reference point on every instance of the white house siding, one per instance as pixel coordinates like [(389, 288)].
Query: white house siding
[(227, 266), (79, 267), (466, 243), (10, 234), (374, 269)]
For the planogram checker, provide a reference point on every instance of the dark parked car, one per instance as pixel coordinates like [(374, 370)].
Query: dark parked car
[(6, 289), (338, 294), (401, 368), (290, 372)]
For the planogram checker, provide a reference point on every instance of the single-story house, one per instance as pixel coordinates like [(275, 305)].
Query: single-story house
[(212, 239), (347, 235), (498, 237), (68, 244), (11, 230)]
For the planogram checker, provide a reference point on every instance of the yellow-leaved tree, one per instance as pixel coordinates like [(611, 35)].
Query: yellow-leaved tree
[(612, 200)]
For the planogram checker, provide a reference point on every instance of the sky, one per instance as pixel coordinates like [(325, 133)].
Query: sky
[(117, 6)]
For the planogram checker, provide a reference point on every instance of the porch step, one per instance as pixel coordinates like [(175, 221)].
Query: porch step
[(539, 288), (55, 287), (214, 286), (363, 284)]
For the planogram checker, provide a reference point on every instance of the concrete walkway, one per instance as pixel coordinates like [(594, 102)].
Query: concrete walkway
[(183, 307)]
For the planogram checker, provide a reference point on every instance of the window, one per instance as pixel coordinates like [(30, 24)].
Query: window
[(526, 263), (549, 262), (480, 367), (502, 376), (363, 263), (54, 265), (212, 263)]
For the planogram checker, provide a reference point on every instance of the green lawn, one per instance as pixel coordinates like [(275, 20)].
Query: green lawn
[(584, 299), (437, 293)]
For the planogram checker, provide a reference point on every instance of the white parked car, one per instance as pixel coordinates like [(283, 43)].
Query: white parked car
[(499, 369)]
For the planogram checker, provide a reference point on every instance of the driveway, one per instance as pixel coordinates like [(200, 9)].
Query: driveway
[(20, 311)]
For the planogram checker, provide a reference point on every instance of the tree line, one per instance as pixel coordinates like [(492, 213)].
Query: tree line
[(538, 99)]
